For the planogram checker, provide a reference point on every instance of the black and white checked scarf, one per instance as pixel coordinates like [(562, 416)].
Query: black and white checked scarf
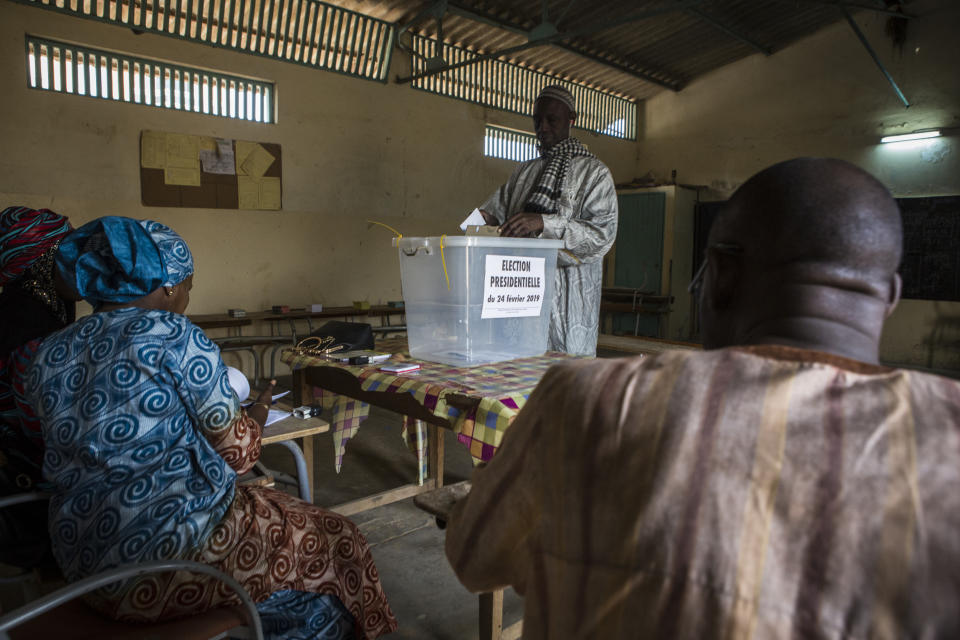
[(545, 196)]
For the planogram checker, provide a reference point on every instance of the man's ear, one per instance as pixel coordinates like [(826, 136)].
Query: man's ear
[(896, 288), (724, 271), (573, 117)]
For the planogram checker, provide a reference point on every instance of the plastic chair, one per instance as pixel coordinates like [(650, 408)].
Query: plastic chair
[(52, 614), (72, 614), (49, 615), (302, 481)]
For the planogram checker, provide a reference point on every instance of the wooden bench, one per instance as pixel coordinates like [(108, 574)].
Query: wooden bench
[(439, 503)]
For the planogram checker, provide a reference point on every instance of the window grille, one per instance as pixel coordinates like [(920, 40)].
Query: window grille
[(69, 68), (508, 86), (306, 32), (510, 144)]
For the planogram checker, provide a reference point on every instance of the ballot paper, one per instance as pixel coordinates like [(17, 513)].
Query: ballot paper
[(246, 404), (276, 415), (474, 219)]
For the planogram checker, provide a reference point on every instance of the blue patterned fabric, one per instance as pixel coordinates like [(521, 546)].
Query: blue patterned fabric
[(116, 259), (299, 615), (125, 397)]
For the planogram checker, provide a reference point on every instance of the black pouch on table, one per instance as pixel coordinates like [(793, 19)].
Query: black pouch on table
[(354, 336)]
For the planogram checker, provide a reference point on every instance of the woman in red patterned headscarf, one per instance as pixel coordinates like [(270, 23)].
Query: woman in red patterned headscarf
[(33, 304)]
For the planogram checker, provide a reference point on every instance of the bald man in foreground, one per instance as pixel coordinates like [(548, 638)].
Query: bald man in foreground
[(780, 484)]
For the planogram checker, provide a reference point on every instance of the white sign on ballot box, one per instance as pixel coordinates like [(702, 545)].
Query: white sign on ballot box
[(513, 287)]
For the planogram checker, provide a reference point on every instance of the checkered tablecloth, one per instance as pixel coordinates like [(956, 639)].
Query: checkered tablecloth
[(495, 393)]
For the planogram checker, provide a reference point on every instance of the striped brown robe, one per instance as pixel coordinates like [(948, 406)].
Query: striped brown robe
[(755, 492)]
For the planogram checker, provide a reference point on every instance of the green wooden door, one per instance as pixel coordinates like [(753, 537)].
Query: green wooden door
[(639, 256)]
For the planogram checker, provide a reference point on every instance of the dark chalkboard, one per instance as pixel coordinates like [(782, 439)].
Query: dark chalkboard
[(931, 248), (931, 245)]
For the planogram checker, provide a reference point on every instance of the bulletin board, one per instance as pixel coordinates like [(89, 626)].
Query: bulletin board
[(182, 170)]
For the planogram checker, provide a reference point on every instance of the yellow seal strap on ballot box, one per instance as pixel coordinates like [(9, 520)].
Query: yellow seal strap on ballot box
[(443, 258), (386, 226), (443, 261)]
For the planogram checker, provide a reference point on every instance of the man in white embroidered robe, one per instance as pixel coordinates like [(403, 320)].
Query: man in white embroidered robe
[(566, 194)]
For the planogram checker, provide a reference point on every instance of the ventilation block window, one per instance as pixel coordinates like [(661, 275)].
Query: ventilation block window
[(83, 71), (509, 144)]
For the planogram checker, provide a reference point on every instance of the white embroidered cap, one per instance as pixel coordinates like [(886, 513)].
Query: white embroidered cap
[(557, 92)]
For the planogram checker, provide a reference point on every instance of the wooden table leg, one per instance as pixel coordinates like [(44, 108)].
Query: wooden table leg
[(491, 615), (435, 454), (302, 390), (306, 444)]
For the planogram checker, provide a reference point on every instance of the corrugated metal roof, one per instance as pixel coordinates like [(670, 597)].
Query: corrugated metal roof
[(677, 41)]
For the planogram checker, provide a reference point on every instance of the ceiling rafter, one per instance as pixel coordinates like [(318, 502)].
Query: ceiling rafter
[(608, 43), (557, 39), (730, 31), (620, 62), (850, 4), (873, 54)]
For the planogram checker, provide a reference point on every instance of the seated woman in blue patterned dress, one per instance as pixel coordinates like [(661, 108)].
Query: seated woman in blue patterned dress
[(144, 440)]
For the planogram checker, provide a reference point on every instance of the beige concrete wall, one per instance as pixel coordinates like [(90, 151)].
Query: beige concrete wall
[(352, 150), (824, 96)]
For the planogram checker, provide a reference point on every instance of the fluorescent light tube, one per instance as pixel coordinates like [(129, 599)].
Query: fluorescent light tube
[(918, 135)]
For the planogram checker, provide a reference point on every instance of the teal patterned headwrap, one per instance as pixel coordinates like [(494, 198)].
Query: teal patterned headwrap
[(117, 259)]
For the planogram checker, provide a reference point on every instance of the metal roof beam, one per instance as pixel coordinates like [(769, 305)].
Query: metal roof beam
[(486, 18), (673, 85), (435, 9), (873, 54), (565, 10), (627, 68), (730, 31), (849, 4), (602, 25)]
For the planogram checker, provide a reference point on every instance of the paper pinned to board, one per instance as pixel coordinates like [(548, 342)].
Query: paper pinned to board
[(269, 193), (221, 160), (248, 192), (475, 219), (181, 176), (153, 150), (258, 193), (257, 162), (243, 150), (183, 151)]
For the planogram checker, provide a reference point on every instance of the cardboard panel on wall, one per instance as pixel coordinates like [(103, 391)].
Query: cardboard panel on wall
[(181, 170)]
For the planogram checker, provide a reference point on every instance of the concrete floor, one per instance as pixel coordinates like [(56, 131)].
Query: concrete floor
[(426, 597), (428, 600)]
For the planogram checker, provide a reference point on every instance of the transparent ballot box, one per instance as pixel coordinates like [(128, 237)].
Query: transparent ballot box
[(474, 300)]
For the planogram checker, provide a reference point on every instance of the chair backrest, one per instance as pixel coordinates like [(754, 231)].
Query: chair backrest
[(84, 623), (55, 600)]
